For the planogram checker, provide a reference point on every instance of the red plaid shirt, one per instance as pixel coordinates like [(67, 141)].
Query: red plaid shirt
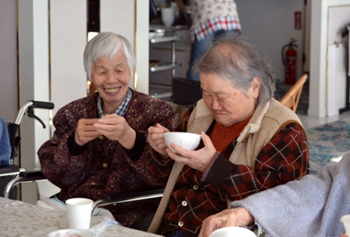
[(215, 24), (195, 197)]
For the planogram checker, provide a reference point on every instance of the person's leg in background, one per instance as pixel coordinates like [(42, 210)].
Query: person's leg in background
[(199, 47)]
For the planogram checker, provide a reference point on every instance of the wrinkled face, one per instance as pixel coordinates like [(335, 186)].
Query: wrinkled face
[(228, 104), (111, 79)]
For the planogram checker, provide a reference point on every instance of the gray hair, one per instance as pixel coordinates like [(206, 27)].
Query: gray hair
[(235, 59), (108, 44)]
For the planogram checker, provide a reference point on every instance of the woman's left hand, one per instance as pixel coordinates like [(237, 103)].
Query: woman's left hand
[(116, 128), (238, 216), (199, 159)]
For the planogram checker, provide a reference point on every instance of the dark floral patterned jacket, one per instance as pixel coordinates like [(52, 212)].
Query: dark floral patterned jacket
[(103, 166)]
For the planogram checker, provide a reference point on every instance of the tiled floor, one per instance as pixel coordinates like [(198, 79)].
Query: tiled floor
[(310, 122), (328, 139)]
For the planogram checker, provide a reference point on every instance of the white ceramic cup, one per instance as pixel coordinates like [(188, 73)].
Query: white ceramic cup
[(232, 232), (346, 222), (168, 16), (79, 213)]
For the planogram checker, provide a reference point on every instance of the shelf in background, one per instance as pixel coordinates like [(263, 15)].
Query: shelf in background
[(164, 39), (164, 66), (163, 92)]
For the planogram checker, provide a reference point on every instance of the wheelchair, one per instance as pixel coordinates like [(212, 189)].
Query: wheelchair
[(13, 170), (23, 176)]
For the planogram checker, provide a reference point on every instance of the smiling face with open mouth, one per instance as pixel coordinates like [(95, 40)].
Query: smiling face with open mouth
[(111, 79)]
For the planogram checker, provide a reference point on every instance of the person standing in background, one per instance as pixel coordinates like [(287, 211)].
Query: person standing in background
[(210, 18), (152, 9)]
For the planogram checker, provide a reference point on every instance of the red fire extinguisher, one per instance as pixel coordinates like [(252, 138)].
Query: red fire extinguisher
[(289, 58)]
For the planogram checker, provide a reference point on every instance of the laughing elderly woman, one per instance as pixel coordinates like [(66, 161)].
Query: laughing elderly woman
[(99, 145), (250, 142)]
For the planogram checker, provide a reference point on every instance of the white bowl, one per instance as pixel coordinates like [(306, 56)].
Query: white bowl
[(185, 140), (155, 35), (159, 34), (151, 35), (71, 233), (232, 232), (346, 222)]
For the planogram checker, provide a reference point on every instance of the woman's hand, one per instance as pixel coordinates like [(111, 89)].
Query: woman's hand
[(199, 159), (156, 140), (116, 128), (85, 131), (238, 216)]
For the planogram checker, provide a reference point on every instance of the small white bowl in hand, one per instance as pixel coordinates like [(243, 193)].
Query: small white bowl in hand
[(232, 232), (185, 140)]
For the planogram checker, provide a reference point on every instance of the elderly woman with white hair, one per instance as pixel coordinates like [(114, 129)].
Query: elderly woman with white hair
[(250, 141), (99, 144)]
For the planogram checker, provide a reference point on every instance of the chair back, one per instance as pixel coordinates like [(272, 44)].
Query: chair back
[(291, 98), (92, 89), (185, 91)]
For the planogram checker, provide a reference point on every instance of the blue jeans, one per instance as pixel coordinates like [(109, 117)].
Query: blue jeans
[(199, 47)]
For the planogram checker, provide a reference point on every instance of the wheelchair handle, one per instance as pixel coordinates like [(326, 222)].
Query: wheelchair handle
[(29, 106), (42, 105)]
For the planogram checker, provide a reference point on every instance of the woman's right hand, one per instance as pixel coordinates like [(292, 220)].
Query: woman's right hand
[(85, 131), (156, 140)]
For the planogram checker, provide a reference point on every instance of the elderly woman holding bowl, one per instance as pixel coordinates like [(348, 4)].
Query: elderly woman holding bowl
[(250, 141), (99, 144)]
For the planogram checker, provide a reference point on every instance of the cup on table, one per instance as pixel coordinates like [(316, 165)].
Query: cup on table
[(168, 16), (346, 222), (79, 213)]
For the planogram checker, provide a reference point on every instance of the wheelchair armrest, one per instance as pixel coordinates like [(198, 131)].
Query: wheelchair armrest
[(9, 170), (32, 175), (23, 177), (132, 196)]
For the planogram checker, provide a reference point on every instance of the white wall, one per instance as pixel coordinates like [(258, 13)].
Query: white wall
[(337, 54), (33, 52), (141, 47), (270, 25), (338, 20), (118, 16), (68, 38), (318, 52), (8, 61)]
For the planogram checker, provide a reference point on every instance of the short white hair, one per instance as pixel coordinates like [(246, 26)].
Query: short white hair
[(236, 59), (108, 44)]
